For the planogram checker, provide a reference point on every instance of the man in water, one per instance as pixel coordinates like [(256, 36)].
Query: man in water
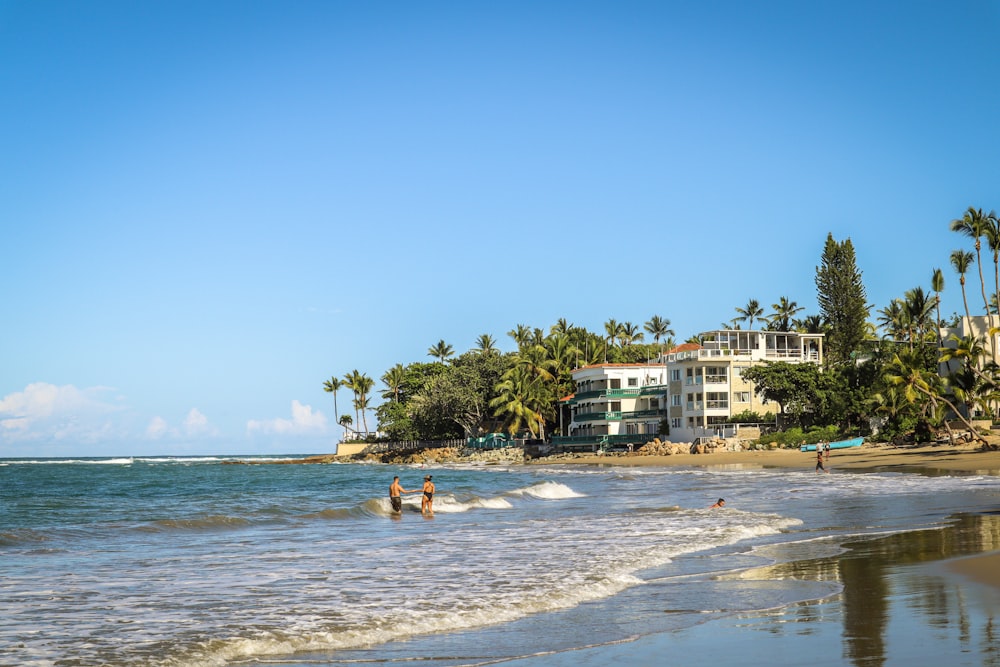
[(427, 502), (721, 502), (396, 491), (819, 459)]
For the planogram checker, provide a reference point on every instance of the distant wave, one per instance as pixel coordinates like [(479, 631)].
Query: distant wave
[(200, 523)]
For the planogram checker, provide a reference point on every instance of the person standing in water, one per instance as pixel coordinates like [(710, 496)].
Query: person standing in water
[(427, 502), (721, 502), (396, 492), (819, 459)]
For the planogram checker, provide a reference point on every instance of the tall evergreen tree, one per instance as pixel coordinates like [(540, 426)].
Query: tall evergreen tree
[(842, 299)]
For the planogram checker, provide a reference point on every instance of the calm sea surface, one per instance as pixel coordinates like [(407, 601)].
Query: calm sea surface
[(193, 561)]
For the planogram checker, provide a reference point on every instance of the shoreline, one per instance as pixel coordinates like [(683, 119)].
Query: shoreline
[(969, 459)]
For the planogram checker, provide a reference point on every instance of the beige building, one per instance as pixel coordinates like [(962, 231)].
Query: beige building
[(705, 382)]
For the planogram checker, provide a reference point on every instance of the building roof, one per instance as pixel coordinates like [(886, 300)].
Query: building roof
[(684, 347), (640, 365)]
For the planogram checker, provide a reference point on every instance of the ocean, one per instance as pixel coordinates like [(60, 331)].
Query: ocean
[(182, 561)]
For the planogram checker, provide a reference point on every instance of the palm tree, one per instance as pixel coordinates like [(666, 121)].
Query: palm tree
[(962, 260), (784, 314), (937, 285), (975, 225), (892, 319), (908, 373), (360, 384), (560, 327), (630, 334), (441, 350), (393, 380), (659, 328), (992, 234), (365, 385), (613, 330), (918, 309), (521, 335), (331, 386), (750, 313), (346, 421), (812, 324), (522, 400), (486, 344), (352, 381)]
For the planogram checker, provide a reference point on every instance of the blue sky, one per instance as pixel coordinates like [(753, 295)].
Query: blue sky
[(208, 209)]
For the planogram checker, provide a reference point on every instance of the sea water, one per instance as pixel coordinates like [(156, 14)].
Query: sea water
[(227, 561)]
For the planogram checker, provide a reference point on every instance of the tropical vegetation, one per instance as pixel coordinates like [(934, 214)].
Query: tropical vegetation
[(897, 373)]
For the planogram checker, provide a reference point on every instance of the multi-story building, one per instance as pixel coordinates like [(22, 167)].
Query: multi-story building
[(615, 403), (705, 383)]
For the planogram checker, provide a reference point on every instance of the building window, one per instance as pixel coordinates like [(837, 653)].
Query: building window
[(675, 375), (675, 400), (633, 382), (716, 400), (675, 422), (741, 396), (738, 371)]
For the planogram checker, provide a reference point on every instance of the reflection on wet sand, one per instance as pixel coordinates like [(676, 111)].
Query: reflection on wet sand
[(876, 573)]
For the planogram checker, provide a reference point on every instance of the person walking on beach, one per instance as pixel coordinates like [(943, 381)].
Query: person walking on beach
[(826, 451), (396, 492), (427, 502), (819, 459)]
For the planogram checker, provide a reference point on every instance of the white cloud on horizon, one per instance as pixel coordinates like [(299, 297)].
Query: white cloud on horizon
[(303, 422), (195, 425), (48, 411)]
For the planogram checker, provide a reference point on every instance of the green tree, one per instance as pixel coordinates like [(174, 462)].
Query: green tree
[(612, 330), (961, 260), (908, 372), (522, 401), (462, 393), (976, 225), (794, 387), (937, 285), (521, 335), (332, 386), (395, 417), (842, 300), (751, 312), (630, 334), (784, 314), (486, 344), (918, 307), (353, 382), (441, 350), (659, 328), (892, 320), (393, 380)]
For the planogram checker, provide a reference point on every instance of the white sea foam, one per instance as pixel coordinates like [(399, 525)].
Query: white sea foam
[(547, 491)]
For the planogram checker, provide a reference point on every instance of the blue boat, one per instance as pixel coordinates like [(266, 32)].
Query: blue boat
[(840, 444)]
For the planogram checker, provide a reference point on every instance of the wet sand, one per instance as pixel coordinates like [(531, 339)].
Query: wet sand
[(917, 598)]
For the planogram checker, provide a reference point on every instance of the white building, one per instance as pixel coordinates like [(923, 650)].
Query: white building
[(615, 403)]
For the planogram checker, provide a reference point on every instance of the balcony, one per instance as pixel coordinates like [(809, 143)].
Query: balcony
[(618, 415), (598, 416), (609, 393)]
